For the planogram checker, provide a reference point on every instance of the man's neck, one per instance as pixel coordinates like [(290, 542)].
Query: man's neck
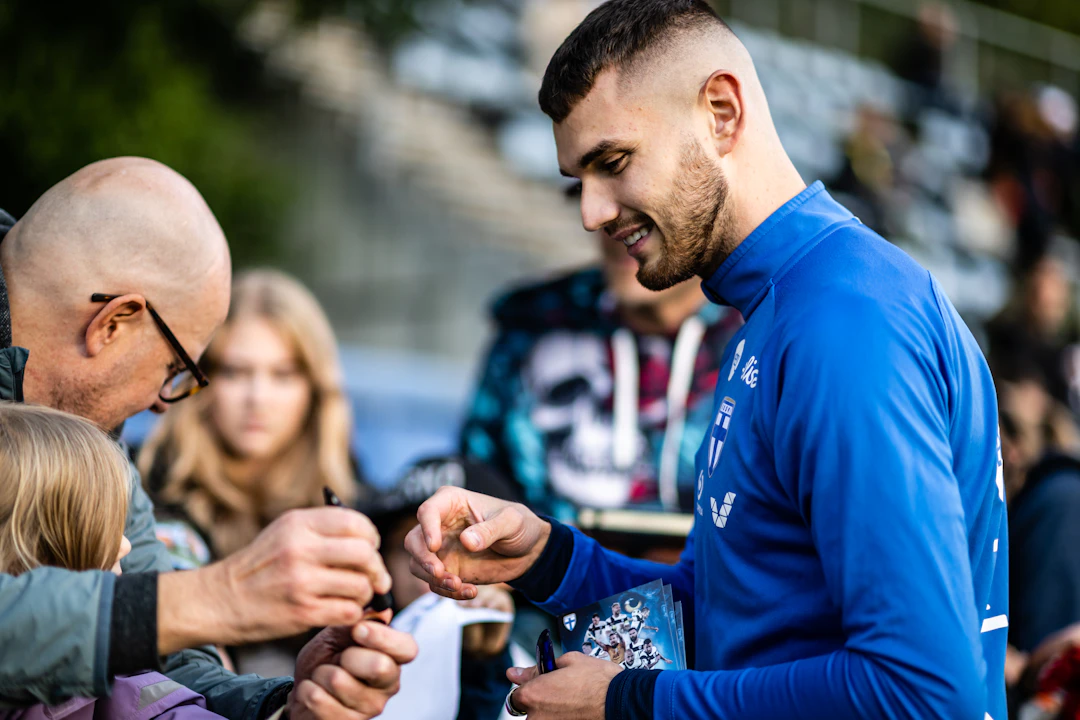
[(666, 316), (751, 205)]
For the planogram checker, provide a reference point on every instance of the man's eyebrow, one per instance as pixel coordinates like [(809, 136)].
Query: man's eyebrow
[(601, 148)]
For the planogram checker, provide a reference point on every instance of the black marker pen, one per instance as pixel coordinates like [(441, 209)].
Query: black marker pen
[(381, 601)]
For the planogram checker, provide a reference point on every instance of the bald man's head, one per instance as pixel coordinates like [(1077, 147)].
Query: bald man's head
[(118, 225), (660, 114), (128, 227)]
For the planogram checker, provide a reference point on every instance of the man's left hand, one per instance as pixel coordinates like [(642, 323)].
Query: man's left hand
[(575, 690), (349, 673)]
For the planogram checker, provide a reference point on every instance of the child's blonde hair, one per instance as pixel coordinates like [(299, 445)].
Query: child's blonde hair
[(64, 489)]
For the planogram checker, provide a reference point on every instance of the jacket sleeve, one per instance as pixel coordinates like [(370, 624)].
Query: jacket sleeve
[(861, 443), (54, 635), (238, 697), (575, 570)]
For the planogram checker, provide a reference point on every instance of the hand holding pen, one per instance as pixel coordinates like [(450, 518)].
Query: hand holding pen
[(381, 601)]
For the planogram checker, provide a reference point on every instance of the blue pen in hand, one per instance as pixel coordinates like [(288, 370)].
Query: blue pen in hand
[(545, 653)]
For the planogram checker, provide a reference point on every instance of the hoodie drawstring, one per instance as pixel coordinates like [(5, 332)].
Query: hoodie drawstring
[(627, 382), (627, 378), (683, 359)]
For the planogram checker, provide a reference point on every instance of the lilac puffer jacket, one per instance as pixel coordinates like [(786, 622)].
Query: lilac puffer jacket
[(134, 697)]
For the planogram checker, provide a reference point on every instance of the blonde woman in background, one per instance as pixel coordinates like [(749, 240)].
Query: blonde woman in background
[(64, 488), (265, 437)]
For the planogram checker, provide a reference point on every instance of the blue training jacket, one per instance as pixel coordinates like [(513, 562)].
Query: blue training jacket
[(849, 556)]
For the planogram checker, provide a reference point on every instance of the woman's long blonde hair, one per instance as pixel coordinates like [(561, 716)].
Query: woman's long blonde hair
[(64, 488), (196, 464)]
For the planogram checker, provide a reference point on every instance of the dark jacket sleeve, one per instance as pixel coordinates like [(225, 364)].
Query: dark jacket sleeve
[(1044, 535), (244, 697)]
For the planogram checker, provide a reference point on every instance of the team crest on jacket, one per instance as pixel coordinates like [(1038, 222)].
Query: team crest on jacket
[(719, 431), (570, 621)]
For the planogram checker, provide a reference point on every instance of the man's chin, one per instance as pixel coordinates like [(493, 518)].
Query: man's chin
[(654, 276)]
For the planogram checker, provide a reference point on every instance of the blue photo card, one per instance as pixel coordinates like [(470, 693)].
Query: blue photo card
[(636, 629)]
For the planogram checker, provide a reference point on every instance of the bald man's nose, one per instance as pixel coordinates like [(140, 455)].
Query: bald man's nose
[(598, 208)]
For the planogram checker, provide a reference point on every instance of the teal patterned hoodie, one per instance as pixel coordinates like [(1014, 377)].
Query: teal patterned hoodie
[(582, 412)]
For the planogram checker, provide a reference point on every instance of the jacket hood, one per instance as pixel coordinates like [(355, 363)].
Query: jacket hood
[(577, 301), (6, 223), (12, 359)]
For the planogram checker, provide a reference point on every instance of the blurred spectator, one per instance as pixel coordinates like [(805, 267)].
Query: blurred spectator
[(1032, 167), (485, 655), (923, 60), (1041, 477), (596, 391), (1036, 327), (266, 436), (868, 177)]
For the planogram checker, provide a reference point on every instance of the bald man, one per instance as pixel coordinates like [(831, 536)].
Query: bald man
[(849, 556), (112, 286)]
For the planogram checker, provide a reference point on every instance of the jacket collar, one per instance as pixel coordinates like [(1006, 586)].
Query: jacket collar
[(744, 277), (6, 223)]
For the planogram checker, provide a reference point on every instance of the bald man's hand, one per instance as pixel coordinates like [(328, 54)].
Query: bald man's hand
[(467, 539), (309, 568)]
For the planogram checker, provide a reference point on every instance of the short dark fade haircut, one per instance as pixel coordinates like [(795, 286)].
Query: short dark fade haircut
[(614, 35)]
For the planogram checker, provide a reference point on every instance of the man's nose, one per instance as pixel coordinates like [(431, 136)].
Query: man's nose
[(598, 207)]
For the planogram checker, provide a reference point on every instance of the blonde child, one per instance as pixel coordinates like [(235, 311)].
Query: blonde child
[(64, 488)]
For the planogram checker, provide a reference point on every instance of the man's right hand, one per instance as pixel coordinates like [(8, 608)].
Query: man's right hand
[(309, 568), (466, 539)]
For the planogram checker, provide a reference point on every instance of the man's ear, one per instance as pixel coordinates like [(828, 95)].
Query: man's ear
[(722, 95), (122, 315)]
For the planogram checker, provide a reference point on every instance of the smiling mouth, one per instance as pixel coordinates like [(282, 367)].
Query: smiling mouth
[(634, 238)]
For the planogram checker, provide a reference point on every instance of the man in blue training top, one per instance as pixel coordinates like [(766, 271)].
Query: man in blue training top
[(849, 553)]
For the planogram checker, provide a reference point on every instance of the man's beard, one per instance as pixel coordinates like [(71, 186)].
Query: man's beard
[(79, 399), (694, 219)]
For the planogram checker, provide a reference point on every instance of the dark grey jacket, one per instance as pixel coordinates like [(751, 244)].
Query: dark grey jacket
[(66, 634)]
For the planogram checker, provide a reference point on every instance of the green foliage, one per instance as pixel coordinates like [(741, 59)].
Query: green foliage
[(84, 81)]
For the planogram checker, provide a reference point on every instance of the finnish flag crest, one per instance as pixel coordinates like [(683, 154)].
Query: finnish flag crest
[(570, 622), (719, 431)]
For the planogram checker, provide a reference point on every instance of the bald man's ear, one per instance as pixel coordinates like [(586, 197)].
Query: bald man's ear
[(122, 316), (722, 95)]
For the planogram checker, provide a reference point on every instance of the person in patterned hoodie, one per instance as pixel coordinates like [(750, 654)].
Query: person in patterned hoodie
[(597, 391)]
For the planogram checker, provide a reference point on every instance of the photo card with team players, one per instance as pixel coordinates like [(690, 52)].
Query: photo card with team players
[(680, 632), (636, 629)]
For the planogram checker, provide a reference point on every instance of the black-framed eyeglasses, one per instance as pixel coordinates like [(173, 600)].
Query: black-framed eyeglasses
[(188, 381)]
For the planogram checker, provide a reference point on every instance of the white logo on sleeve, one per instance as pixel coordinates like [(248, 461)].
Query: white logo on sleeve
[(749, 372), (570, 621), (1000, 477), (735, 360), (720, 514)]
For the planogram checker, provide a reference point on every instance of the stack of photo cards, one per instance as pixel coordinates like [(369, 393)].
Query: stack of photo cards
[(639, 629)]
